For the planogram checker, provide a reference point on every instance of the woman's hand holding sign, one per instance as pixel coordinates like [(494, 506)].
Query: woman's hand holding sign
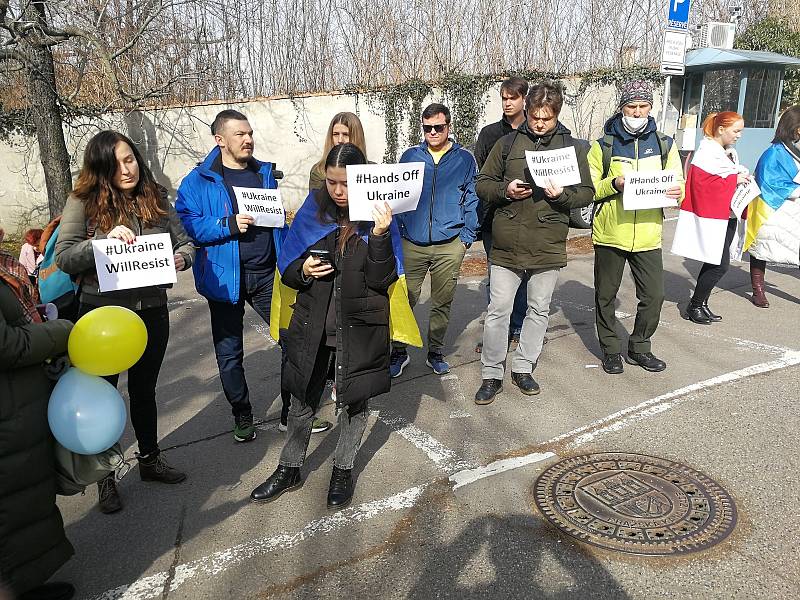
[(120, 232), (382, 215), (180, 262)]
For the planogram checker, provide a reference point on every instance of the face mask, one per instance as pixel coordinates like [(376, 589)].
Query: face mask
[(634, 124)]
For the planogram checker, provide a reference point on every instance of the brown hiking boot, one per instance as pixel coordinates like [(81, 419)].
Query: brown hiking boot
[(155, 468), (109, 500)]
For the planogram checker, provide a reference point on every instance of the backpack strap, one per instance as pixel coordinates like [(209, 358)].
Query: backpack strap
[(606, 145), (507, 144), (664, 146)]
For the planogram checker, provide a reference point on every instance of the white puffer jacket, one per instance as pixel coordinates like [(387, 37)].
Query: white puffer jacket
[(778, 239)]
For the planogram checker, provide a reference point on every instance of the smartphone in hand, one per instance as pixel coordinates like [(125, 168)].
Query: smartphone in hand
[(322, 255)]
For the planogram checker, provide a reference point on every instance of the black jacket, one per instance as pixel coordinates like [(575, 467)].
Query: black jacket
[(531, 233), (32, 541), (361, 281), (487, 138)]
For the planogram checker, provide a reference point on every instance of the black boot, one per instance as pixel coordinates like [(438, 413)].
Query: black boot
[(154, 467), (526, 383), (284, 479), (696, 314), (711, 316), (340, 492), (488, 390), (57, 590), (108, 496)]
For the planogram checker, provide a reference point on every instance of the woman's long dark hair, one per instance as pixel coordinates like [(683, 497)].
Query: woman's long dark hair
[(105, 205), (340, 156), (787, 128)]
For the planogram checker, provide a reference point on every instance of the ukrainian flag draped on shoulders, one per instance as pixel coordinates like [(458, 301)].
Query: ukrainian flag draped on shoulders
[(773, 219), (305, 231)]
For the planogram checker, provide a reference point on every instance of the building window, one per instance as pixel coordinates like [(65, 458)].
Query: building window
[(761, 98), (721, 91)]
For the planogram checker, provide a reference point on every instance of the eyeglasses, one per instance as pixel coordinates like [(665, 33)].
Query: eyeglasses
[(439, 127)]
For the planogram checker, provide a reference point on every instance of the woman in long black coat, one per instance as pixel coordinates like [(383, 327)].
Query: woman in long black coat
[(32, 540), (342, 272)]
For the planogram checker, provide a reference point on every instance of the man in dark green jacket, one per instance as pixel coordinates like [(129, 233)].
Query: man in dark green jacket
[(529, 234)]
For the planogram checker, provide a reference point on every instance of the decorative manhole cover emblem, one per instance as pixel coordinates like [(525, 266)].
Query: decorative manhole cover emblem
[(635, 503)]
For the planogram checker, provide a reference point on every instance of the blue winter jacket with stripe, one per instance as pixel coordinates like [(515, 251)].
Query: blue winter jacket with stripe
[(448, 206), (205, 209)]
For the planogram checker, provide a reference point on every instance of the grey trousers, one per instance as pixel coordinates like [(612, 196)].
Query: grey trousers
[(505, 282), (301, 415)]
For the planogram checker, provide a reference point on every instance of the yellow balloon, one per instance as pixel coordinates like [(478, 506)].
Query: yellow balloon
[(107, 341)]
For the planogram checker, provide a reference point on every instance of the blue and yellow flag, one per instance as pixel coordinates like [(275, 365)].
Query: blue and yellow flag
[(305, 231), (775, 175)]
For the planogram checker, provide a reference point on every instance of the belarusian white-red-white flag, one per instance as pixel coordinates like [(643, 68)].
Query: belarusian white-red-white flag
[(704, 212)]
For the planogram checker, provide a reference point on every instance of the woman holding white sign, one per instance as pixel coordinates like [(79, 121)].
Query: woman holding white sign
[(345, 127), (116, 197), (342, 272), (706, 225)]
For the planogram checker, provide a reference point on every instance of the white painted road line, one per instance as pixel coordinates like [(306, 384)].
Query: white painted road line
[(624, 418), (444, 458), (152, 586), (468, 476)]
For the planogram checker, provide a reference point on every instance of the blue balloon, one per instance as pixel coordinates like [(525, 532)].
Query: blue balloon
[(86, 413)]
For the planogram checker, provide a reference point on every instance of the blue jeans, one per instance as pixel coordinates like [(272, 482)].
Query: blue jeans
[(227, 325), (520, 299)]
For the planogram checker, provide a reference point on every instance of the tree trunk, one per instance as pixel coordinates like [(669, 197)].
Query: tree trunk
[(46, 117)]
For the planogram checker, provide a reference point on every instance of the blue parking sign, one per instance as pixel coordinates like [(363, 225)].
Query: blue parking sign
[(678, 13)]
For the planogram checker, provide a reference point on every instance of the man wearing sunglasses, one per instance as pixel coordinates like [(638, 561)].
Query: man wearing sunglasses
[(437, 234)]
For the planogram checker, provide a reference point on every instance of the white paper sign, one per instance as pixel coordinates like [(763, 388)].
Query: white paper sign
[(264, 206), (148, 261), (648, 190), (400, 185), (743, 196), (557, 166)]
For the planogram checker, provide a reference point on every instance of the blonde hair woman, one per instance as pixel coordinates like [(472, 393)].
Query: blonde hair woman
[(345, 128)]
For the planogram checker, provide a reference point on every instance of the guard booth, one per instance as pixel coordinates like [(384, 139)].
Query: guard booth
[(744, 81)]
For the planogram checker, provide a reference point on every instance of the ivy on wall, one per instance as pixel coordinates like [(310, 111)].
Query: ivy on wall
[(466, 96)]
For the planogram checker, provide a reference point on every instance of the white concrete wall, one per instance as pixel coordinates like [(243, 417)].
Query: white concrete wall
[(287, 132)]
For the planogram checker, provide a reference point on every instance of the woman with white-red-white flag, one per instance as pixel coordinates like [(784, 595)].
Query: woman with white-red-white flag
[(706, 225)]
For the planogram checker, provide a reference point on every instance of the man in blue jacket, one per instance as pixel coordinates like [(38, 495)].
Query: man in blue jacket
[(235, 261), (437, 234)]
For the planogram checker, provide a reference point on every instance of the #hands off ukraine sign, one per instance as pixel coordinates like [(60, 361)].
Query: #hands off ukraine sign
[(400, 185)]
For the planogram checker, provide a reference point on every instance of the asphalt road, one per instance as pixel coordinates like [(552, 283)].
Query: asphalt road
[(444, 504)]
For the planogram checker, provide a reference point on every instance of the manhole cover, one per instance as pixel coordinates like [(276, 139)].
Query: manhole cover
[(635, 503)]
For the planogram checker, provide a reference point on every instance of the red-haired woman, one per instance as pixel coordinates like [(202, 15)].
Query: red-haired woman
[(706, 225), (117, 197)]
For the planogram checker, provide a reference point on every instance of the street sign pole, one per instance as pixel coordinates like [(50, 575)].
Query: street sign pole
[(673, 54), (665, 102)]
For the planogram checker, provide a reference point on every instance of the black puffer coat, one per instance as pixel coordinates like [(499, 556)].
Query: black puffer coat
[(361, 281), (32, 541)]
